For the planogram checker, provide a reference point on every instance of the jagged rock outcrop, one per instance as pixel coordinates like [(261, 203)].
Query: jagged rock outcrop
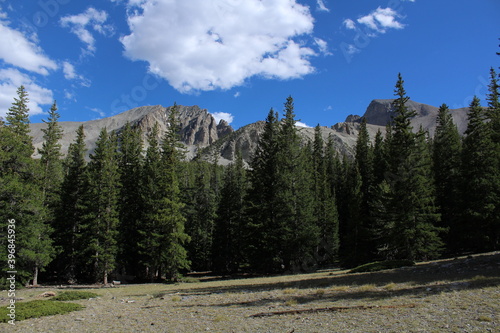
[(198, 127), (380, 112)]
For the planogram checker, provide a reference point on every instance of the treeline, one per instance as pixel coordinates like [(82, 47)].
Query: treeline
[(143, 213)]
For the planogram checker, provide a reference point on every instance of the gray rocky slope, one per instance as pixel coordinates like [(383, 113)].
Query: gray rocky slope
[(202, 135)]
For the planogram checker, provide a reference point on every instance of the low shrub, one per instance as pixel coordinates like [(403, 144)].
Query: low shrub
[(38, 308), (381, 265), (74, 295)]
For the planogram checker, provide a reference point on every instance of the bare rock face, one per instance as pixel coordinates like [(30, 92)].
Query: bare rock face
[(380, 113), (198, 127)]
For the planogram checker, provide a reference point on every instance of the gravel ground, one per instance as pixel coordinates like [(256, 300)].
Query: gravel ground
[(447, 296)]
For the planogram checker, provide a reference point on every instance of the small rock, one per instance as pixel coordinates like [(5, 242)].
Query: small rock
[(48, 294)]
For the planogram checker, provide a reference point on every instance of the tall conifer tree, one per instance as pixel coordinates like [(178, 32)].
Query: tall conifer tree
[(21, 197), (175, 258), (446, 165), (299, 235), (410, 217), (479, 170), (71, 211), (325, 207), (102, 206), (229, 233), (131, 205)]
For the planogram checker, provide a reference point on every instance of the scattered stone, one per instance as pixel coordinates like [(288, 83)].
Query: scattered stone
[(48, 294)]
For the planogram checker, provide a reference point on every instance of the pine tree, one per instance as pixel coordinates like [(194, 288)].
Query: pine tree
[(299, 235), (21, 197), (101, 220), (493, 98), (229, 228), (175, 258), (479, 175), (380, 159), (131, 205), (350, 216), (410, 217), (201, 222), (364, 162), (70, 212), (163, 237), (50, 157), (446, 165), (325, 207), (150, 240), (262, 241)]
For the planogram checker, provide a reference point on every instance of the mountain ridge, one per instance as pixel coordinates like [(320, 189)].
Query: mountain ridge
[(202, 135)]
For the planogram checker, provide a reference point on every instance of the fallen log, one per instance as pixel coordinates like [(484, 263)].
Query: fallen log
[(331, 309)]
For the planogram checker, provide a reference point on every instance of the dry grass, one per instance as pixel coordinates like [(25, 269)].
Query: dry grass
[(449, 295)]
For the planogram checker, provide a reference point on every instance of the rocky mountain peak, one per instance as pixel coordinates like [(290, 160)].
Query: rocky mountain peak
[(198, 127)]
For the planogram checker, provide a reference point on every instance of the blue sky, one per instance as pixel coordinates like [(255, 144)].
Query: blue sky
[(239, 58)]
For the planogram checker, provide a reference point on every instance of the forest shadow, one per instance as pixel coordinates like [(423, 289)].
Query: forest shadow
[(421, 280)]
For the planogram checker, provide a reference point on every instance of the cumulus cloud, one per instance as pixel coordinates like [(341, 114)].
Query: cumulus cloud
[(205, 45), (82, 24), (381, 19), (218, 116), (17, 50), (10, 80)]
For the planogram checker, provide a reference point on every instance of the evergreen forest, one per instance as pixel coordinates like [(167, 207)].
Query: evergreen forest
[(140, 212)]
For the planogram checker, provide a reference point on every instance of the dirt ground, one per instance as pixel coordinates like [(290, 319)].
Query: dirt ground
[(456, 295)]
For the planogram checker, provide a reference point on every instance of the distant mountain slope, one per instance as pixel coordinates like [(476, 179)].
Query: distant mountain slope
[(199, 130), (380, 112), (198, 127)]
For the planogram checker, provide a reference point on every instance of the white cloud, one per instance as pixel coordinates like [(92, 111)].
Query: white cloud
[(301, 124), (218, 116), (98, 111), (349, 24), (351, 49), (80, 24), (322, 6), (18, 50), (69, 71), (323, 46), (10, 80), (237, 94), (70, 74), (206, 45), (381, 19)]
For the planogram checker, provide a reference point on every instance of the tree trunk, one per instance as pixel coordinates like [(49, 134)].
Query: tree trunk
[(35, 276)]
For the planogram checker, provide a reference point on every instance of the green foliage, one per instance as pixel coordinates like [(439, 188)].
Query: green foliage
[(481, 182), (101, 207), (382, 265), (408, 218), (73, 295), (229, 235), (68, 226), (21, 197), (38, 308), (130, 162), (447, 148)]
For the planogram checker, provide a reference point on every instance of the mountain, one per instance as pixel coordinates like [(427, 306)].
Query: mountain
[(198, 127), (202, 135), (380, 112)]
